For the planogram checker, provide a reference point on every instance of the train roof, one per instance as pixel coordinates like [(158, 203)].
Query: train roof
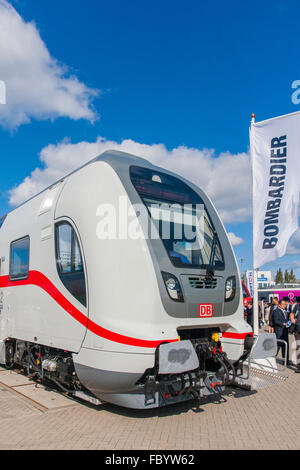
[(108, 156)]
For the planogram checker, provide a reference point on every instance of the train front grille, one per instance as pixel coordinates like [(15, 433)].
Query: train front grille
[(198, 282)]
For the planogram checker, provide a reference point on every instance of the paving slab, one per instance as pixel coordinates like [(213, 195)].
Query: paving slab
[(256, 419), (45, 396), (14, 379), (13, 407)]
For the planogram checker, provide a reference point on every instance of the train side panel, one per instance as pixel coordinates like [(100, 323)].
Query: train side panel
[(32, 308)]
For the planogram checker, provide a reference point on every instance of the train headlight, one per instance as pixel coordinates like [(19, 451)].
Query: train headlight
[(230, 288), (171, 284), (173, 287)]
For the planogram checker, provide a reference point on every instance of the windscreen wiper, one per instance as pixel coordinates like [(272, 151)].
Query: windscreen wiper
[(210, 272)]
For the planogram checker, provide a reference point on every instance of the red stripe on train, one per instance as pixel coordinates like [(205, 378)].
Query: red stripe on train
[(38, 279), (236, 335)]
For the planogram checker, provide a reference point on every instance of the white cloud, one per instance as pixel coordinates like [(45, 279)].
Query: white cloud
[(226, 178), (37, 86), (293, 247), (234, 239)]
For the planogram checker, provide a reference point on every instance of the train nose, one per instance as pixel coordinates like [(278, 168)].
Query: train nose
[(205, 295)]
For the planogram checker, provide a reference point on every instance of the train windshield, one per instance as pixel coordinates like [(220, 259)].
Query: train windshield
[(181, 218)]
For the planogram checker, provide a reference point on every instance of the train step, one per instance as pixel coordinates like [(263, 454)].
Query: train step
[(86, 397)]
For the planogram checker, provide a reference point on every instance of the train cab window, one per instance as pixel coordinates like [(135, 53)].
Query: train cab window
[(182, 219), (19, 259), (69, 261)]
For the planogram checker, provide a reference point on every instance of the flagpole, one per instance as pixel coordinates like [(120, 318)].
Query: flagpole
[(255, 270)]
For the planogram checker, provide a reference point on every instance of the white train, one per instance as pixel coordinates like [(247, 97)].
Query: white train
[(136, 321)]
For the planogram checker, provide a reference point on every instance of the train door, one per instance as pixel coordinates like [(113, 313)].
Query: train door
[(70, 262), (71, 271)]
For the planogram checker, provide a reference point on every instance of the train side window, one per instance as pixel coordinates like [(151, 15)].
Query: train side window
[(69, 261), (19, 259)]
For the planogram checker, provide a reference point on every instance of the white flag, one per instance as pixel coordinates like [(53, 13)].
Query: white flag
[(275, 151)]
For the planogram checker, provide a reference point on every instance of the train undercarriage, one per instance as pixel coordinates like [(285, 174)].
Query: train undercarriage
[(171, 380), (44, 363)]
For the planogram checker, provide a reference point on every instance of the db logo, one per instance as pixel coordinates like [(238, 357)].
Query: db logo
[(205, 310)]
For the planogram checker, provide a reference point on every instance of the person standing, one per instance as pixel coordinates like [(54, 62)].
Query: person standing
[(249, 314), (274, 305), (294, 306), (280, 319), (267, 312), (295, 319)]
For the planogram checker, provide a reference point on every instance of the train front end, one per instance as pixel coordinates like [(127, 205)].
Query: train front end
[(181, 297), (200, 289)]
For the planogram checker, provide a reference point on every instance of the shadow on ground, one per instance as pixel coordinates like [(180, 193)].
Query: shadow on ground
[(197, 406)]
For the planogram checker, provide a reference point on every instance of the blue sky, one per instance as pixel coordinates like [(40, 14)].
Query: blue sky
[(182, 74)]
